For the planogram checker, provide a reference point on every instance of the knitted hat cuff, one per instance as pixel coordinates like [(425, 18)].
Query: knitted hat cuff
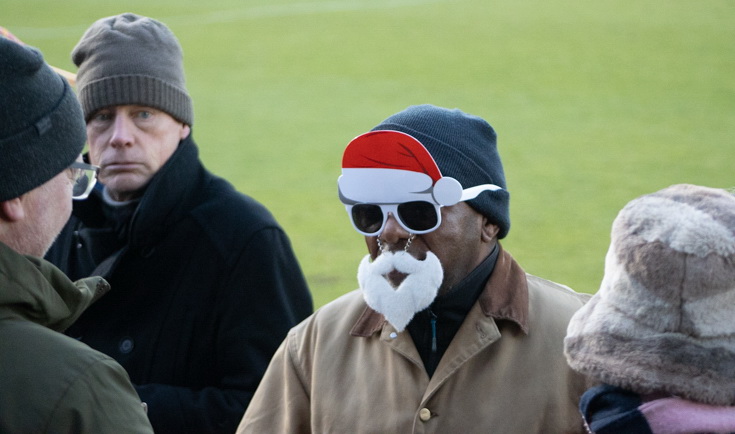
[(139, 90), (660, 363)]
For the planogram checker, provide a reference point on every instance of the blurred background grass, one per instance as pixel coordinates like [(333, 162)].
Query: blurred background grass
[(594, 103)]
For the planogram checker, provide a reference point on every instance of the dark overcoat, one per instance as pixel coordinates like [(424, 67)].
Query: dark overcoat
[(205, 286)]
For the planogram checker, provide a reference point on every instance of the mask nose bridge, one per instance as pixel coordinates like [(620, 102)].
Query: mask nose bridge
[(393, 230)]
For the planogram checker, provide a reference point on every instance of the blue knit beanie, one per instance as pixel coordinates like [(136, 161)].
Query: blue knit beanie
[(464, 147)]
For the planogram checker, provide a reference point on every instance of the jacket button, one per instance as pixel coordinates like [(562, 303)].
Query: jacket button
[(126, 346), (424, 414)]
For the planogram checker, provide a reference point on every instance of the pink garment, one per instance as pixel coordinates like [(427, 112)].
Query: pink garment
[(678, 416)]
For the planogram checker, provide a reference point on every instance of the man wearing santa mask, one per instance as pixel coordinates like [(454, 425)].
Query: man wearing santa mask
[(447, 333)]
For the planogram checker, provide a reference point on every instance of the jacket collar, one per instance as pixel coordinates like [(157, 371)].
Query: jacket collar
[(169, 191), (165, 196), (505, 297)]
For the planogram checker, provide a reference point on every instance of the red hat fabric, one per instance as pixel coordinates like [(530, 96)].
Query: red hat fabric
[(390, 150), (393, 167)]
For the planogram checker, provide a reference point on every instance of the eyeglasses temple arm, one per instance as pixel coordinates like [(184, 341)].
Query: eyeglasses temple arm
[(473, 192)]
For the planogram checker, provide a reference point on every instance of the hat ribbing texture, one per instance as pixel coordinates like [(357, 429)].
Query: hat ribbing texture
[(130, 59), (662, 320), (41, 125), (464, 147)]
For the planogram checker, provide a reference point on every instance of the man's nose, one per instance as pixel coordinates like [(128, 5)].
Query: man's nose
[(393, 233), (122, 131)]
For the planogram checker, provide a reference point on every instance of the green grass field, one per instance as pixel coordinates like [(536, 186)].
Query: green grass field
[(594, 103)]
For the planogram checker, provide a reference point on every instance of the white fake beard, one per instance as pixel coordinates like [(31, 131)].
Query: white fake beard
[(414, 294)]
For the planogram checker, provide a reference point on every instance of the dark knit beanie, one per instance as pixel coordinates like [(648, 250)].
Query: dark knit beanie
[(129, 59), (41, 125), (464, 147)]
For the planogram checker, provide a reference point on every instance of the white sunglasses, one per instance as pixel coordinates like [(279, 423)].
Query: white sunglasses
[(416, 217)]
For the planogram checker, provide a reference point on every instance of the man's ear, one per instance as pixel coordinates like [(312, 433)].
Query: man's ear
[(12, 210), (185, 131), (489, 230)]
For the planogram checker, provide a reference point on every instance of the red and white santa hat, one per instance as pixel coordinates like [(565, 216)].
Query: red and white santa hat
[(388, 166)]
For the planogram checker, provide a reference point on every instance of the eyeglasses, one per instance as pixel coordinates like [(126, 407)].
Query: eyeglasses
[(83, 176), (416, 217)]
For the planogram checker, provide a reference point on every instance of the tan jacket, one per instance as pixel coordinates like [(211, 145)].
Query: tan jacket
[(345, 370)]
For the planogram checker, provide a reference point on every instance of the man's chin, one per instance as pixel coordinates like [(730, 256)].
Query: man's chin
[(395, 278), (416, 287), (124, 187)]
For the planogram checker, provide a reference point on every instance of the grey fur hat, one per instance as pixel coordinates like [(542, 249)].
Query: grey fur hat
[(41, 126), (131, 59), (663, 319)]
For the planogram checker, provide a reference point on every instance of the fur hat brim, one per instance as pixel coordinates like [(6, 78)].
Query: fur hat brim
[(662, 320)]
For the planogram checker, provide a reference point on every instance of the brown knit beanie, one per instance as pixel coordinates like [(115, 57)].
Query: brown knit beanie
[(130, 59), (664, 317)]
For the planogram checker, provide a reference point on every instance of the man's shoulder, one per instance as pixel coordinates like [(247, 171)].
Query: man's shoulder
[(554, 292), (338, 316), (40, 341), (325, 335), (190, 187), (222, 203), (551, 306), (50, 357)]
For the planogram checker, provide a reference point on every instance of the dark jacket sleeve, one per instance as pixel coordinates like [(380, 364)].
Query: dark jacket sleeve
[(612, 410), (265, 295)]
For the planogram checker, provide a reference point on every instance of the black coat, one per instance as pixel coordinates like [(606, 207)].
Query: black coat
[(205, 287)]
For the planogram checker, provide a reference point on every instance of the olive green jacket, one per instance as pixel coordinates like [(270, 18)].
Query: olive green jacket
[(345, 370), (49, 382)]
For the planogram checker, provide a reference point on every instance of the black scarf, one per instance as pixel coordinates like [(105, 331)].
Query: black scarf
[(433, 328)]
